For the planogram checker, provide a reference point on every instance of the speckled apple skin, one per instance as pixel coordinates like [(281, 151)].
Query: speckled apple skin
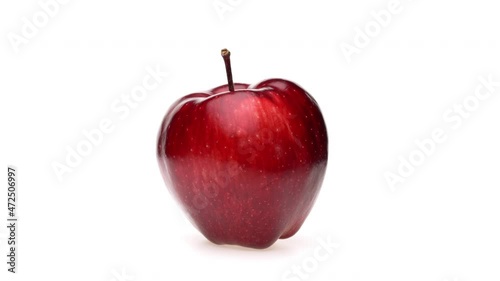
[(246, 166)]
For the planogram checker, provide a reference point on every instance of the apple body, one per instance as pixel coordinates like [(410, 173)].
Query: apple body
[(245, 165)]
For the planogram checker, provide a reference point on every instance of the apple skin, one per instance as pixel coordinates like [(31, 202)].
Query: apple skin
[(247, 165)]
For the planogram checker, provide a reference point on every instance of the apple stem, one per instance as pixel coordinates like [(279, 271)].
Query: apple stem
[(227, 61)]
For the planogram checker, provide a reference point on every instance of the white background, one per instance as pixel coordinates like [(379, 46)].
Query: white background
[(112, 218)]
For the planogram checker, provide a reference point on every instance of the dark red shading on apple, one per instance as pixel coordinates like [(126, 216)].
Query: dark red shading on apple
[(245, 162)]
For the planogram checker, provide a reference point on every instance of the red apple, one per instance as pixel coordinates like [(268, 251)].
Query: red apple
[(245, 162)]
